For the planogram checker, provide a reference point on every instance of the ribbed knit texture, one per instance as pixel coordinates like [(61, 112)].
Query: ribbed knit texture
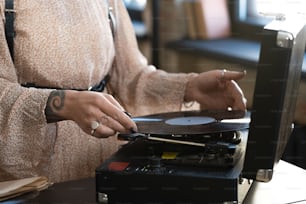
[(68, 44)]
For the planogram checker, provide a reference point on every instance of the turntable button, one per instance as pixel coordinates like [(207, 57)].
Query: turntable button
[(169, 155), (144, 169), (118, 166), (170, 171)]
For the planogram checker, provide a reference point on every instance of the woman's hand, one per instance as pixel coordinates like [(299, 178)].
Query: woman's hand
[(98, 114), (216, 90)]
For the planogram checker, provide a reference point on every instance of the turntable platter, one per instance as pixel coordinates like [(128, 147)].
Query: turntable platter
[(191, 122)]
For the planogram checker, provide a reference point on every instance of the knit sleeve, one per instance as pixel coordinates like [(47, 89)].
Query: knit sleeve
[(140, 87), (23, 138)]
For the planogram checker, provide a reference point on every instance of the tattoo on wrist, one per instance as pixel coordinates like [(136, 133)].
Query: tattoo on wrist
[(55, 104)]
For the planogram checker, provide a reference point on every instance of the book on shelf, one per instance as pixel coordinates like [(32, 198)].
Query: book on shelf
[(14, 188), (188, 7), (207, 19)]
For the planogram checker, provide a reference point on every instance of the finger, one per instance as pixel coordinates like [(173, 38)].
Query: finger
[(239, 104), (115, 102), (111, 123), (118, 114), (231, 75), (111, 99), (103, 131), (239, 101)]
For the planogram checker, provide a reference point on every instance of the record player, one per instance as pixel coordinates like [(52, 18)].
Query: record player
[(212, 156)]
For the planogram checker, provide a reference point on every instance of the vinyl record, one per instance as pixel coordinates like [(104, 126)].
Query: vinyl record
[(192, 122)]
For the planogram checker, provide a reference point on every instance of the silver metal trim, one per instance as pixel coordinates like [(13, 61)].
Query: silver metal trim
[(102, 198), (10, 10), (277, 16), (264, 175), (285, 39)]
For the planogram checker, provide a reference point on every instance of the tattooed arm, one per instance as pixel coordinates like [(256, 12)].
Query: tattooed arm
[(54, 105), (83, 107)]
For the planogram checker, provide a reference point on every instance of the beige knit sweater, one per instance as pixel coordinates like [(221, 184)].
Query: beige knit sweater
[(68, 44)]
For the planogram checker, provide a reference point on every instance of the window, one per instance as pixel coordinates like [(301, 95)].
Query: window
[(249, 16), (269, 9), (280, 6), (136, 9), (135, 4)]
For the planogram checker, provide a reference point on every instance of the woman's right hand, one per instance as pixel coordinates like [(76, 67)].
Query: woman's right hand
[(98, 114)]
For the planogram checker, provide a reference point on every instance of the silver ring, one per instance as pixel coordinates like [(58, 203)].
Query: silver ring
[(104, 117), (94, 125), (223, 73)]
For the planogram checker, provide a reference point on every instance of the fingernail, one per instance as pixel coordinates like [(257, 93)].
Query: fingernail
[(132, 130)]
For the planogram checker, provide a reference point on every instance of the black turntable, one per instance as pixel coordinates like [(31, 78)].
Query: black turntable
[(191, 138), (210, 156), (178, 156)]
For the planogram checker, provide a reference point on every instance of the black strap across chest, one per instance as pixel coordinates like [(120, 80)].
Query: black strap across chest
[(9, 25), (10, 34)]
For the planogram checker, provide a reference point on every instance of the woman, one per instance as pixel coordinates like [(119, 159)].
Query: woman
[(49, 128)]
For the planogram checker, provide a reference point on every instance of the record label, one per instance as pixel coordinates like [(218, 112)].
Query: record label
[(200, 120)]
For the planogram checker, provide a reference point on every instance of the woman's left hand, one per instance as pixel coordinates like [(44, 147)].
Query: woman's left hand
[(216, 90)]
